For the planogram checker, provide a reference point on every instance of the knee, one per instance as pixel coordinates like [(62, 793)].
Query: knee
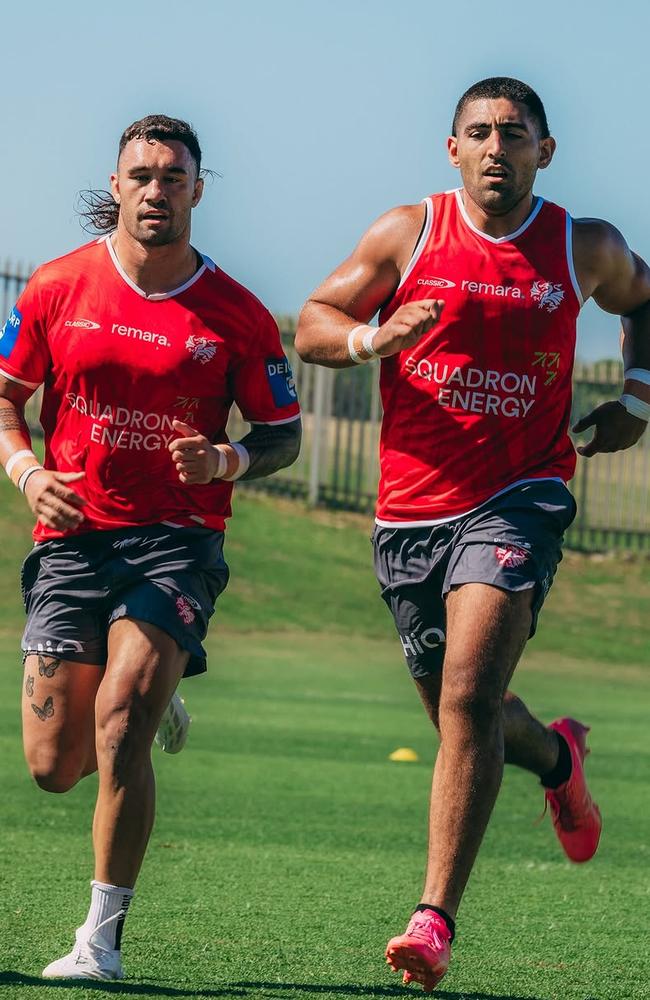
[(55, 774), (475, 705), (124, 734)]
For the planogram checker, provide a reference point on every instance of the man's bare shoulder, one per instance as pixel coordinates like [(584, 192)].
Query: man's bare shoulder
[(394, 234), (596, 240)]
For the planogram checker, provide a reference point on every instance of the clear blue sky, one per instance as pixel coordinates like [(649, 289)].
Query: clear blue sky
[(319, 115)]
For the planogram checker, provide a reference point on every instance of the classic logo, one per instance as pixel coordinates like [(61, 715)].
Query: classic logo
[(201, 348), (511, 556), (547, 294), (83, 324), (436, 282)]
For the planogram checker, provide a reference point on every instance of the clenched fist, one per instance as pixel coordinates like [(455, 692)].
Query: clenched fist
[(407, 325)]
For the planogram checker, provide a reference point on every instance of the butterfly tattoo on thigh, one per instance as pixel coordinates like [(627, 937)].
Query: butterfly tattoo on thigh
[(47, 711), (46, 669)]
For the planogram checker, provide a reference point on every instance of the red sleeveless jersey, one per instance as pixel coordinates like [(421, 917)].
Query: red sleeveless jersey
[(483, 401)]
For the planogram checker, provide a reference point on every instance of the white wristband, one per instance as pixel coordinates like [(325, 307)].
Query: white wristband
[(639, 375), (232, 467), (223, 464), (635, 406), (244, 460), (368, 338), (16, 457), (24, 476), (352, 351)]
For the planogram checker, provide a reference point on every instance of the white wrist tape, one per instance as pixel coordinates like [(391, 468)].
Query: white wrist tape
[(222, 467), (352, 336), (635, 406), (244, 460), (16, 457), (231, 466), (368, 338), (24, 476), (639, 375)]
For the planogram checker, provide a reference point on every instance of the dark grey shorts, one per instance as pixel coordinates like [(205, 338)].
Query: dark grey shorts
[(513, 542), (74, 588)]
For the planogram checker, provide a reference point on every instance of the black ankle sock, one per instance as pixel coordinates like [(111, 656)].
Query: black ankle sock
[(562, 770), (451, 923)]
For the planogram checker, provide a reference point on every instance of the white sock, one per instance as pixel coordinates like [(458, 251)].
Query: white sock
[(108, 908)]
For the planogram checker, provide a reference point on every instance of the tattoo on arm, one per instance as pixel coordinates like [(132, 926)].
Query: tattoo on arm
[(47, 711), (10, 420), (46, 669), (29, 686)]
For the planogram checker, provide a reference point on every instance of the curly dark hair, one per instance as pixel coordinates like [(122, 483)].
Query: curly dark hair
[(504, 86), (97, 209)]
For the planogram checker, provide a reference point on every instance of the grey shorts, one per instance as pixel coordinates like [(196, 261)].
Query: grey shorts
[(513, 542), (74, 588)]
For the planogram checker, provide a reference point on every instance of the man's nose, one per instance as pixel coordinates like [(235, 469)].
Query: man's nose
[(496, 146), (154, 190)]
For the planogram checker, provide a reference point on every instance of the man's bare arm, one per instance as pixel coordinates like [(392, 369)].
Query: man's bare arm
[(619, 282), (263, 451), (49, 496), (358, 288)]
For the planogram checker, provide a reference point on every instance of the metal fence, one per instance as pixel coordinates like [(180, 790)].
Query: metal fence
[(338, 464)]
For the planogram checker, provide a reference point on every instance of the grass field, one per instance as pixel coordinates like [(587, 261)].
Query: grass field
[(288, 848)]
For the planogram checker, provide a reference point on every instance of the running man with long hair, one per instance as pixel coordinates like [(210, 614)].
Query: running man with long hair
[(142, 344)]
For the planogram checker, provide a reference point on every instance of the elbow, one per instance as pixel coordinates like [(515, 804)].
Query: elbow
[(303, 341), (301, 344)]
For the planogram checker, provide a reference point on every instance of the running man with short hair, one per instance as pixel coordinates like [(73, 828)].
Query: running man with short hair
[(478, 291), (142, 345)]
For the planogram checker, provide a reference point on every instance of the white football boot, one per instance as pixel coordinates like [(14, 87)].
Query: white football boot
[(88, 959), (174, 726)]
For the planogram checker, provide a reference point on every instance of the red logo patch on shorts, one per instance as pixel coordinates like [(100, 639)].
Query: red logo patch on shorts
[(185, 610), (511, 556)]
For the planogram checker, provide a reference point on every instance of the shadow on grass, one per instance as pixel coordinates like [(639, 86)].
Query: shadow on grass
[(348, 990), (122, 988), (240, 989)]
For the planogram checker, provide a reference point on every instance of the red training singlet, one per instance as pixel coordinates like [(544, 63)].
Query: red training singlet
[(118, 366), (483, 400)]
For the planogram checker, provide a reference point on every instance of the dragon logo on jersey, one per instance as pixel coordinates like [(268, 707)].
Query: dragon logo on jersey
[(547, 294), (201, 348)]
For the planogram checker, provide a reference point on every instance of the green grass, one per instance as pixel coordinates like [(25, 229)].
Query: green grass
[(288, 848)]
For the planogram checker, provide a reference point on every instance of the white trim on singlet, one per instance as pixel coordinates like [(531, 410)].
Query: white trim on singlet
[(456, 517), (172, 524), (156, 296), (421, 243), (569, 259), (274, 423), (20, 381), (498, 239)]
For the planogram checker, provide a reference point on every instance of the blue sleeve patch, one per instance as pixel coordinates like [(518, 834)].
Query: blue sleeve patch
[(10, 331), (281, 381)]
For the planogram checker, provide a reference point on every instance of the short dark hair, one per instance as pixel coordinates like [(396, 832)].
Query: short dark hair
[(504, 86), (161, 128), (98, 210)]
